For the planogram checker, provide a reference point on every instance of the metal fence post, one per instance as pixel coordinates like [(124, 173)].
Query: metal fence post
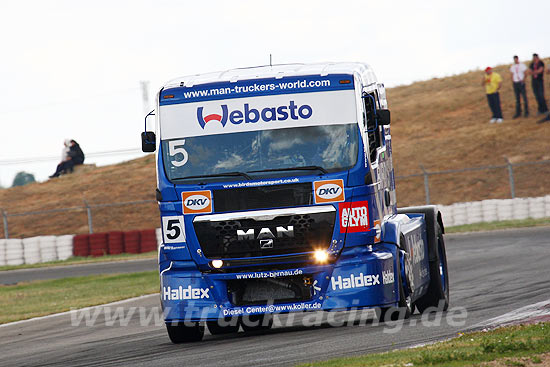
[(5, 220), (511, 178), (426, 184), (89, 211)]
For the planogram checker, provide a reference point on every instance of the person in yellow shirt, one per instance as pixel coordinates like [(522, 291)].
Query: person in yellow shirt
[(492, 82)]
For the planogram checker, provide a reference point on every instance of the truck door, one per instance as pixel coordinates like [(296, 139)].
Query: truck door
[(379, 153)]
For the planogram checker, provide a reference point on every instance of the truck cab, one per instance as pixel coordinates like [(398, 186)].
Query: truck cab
[(276, 194)]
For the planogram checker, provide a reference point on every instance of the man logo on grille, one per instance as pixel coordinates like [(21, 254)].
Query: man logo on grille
[(264, 233), (266, 244)]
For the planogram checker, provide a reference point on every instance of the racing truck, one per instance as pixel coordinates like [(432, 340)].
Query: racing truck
[(276, 193)]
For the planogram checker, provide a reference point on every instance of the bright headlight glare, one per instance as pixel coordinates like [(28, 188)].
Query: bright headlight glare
[(217, 263), (320, 256)]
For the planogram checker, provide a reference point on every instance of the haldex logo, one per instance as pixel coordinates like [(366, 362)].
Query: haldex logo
[(249, 115), (180, 293), (355, 281)]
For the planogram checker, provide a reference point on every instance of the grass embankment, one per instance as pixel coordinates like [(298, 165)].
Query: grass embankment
[(505, 224), (510, 346), (44, 297), (77, 260)]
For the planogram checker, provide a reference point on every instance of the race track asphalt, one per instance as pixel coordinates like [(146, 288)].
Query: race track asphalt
[(491, 273)]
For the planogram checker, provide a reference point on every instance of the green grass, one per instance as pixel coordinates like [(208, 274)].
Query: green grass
[(498, 225), (469, 349), (83, 260), (44, 297)]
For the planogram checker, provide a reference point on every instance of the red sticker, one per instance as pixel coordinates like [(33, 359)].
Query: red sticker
[(354, 216)]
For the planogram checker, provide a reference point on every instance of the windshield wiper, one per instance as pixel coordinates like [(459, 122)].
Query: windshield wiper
[(217, 175), (303, 168)]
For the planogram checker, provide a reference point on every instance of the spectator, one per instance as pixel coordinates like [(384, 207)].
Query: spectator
[(492, 82), (75, 156), (547, 118), (518, 77), (536, 69)]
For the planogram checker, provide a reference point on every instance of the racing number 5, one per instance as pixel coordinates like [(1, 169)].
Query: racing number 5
[(173, 229), (173, 225), (176, 147)]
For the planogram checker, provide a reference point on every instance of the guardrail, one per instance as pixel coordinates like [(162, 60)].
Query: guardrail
[(508, 167), (86, 207), (488, 184)]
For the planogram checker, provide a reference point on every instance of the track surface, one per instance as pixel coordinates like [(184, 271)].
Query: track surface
[(55, 272), (491, 273)]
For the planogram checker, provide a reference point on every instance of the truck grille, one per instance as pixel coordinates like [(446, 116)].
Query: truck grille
[(249, 198), (307, 229)]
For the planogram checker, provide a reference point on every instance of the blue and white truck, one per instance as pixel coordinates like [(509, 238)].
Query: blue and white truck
[(276, 192)]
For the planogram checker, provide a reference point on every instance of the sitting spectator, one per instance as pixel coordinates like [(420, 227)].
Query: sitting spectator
[(74, 157)]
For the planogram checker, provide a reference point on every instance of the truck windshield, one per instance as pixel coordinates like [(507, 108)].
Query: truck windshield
[(330, 148)]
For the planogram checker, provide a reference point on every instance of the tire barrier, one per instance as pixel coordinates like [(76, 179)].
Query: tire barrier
[(31, 250), (98, 244), (147, 240), (81, 245), (131, 242), (64, 246), (47, 248), (115, 242), (495, 210), (14, 252), (2, 252), (38, 249)]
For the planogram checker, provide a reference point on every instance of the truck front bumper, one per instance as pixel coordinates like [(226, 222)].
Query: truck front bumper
[(360, 278)]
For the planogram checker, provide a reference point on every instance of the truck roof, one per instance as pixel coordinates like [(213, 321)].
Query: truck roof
[(361, 70)]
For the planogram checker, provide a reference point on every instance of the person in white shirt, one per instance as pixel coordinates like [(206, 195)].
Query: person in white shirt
[(518, 70)]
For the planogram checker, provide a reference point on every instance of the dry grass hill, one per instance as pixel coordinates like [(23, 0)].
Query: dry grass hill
[(440, 123)]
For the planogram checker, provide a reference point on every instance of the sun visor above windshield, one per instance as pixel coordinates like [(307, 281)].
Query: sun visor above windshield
[(266, 112)]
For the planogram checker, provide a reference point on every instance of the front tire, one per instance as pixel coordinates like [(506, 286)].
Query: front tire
[(180, 333), (437, 296), (256, 322), (223, 326)]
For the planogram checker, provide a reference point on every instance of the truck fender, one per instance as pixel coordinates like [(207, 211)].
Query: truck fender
[(432, 216)]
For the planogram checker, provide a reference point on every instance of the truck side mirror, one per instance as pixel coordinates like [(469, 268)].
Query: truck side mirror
[(383, 117), (148, 138), (148, 141)]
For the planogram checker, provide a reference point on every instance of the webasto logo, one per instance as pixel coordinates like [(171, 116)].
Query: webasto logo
[(252, 115)]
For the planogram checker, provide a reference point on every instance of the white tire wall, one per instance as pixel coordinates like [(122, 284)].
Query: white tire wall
[(31, 250), (47, 248), (64, 246), (2, 252), (14, 252), (158, 233)]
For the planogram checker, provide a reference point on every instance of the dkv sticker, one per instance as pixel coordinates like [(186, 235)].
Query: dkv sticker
[(197, 202), (354, 216), (329, 191)]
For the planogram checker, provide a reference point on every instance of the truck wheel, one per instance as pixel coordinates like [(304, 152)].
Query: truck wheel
[(223, 326), (437, 296), (404, 307), (184, 333), (256, 322)]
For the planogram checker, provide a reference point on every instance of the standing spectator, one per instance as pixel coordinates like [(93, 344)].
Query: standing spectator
[(492, 82), (536, 69), (75, 156), (518, 77), (547, 118)]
